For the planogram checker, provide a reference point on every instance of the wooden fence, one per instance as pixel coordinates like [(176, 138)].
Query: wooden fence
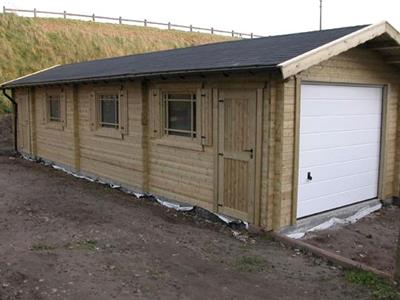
[(146, 23)]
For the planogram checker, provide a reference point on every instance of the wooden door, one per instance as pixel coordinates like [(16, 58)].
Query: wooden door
[(236, 153), (23, 124)]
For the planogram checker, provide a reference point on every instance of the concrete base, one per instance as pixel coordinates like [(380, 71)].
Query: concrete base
[(305, 224)]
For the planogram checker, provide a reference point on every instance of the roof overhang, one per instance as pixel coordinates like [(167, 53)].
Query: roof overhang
[(232, 70), (315, 56), (5, 84)]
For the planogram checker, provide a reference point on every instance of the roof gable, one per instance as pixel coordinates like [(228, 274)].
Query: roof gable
[(335, 47)]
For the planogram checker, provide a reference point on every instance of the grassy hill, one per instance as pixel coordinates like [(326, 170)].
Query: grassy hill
[(29, 45)]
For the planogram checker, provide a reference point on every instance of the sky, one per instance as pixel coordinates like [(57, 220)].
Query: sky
[(260, 17)]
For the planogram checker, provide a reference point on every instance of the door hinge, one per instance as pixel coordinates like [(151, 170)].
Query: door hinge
[(221, 100), (219, 205), (250, 151), (220, 154)]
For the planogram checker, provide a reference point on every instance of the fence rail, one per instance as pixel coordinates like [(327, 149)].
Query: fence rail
[(146, 23)]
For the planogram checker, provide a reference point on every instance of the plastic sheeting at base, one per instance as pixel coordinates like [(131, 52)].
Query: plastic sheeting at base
[(169, 204), (337, 221)]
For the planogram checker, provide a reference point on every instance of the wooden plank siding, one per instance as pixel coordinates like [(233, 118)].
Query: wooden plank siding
[(55, 144), (141, 160), (178, 170), (118, 160)]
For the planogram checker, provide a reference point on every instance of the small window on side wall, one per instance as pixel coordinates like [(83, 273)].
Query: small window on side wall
[(180, 114), (108, 107), (54, 108)]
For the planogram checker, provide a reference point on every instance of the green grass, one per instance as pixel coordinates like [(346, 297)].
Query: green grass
[(250, 264), (90, 245), (42, 247), (381, 289), (29, 45)]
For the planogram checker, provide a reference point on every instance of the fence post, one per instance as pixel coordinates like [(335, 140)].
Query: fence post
[(233, 33), (93, 18), (34, 12), (251, 35), (120, 20), (4, 10), (65, 14), (145, 23), (212, 30), (169, 25), (191, 27)]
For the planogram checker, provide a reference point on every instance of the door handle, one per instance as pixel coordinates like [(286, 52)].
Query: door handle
[(250, 151), (309, 177)]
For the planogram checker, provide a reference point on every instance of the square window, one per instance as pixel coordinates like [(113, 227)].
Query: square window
[(180, 114), (54, 104), (109, 111)]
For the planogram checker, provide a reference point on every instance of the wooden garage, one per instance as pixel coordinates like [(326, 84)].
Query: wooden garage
[(267, 130)]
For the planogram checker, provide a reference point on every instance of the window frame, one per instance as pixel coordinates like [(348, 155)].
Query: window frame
[(99, 109), (49, 121), (49, 107), (95, 117), (193, 133)]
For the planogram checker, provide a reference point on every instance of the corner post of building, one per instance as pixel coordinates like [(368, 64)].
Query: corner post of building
[(297, 99), (265, 153), (278, 155), (397, 165), (384, 131), (32, 121), (283, 213), (145, 135), (75, 129), (259, 156)]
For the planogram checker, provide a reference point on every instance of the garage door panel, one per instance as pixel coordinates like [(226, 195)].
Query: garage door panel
[(340, 123), (339, 139), (317, 205), (330, 172), (340, 128), (321, 157), (338, 185), (329, 107), (309, 91)]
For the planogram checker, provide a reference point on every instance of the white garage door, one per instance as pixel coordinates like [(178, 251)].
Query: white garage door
[(340, 132)]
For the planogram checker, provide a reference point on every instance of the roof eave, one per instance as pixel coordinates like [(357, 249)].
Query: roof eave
[(10, 85), (315, 56), (9, 82)]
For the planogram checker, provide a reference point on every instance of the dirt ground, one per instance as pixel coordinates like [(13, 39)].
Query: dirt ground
[(371, 240), (6, 132), (66, 238)]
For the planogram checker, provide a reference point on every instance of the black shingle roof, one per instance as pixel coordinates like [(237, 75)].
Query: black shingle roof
[(266, 52)]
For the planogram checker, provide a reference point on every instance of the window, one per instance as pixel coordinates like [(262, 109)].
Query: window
[(53, 110), (180, 114), (54, 105), (109, 110)]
